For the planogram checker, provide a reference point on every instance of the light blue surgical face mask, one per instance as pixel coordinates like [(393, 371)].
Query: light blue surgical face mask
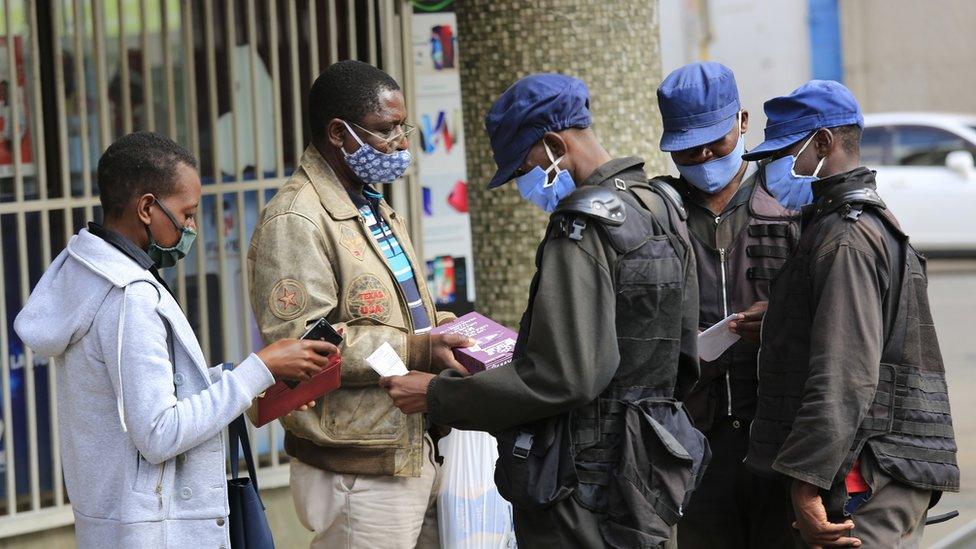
[(714, 175), (536, 187), (791, 190), (372, 166)]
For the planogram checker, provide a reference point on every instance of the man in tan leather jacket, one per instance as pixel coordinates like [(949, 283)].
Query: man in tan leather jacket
[(363, 474)]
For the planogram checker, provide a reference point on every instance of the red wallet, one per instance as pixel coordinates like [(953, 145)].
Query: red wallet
[(280, 399)]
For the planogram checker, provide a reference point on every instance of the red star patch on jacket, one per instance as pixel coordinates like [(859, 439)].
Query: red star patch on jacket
[(288, 299)]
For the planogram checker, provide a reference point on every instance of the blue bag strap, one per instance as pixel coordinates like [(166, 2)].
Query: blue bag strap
[(237, 438), (237, 431)]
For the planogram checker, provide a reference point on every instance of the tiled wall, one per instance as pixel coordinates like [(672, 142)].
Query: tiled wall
[(613, 46)]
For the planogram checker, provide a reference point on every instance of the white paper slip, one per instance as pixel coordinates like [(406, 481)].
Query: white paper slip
[(386, 362), (715, 340)]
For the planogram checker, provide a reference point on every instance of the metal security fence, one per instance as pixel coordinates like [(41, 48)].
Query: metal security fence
[(227, 79)]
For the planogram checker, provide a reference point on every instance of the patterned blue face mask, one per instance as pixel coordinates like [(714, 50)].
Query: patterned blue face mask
[(371, 166), (537, 189), (791, 190)]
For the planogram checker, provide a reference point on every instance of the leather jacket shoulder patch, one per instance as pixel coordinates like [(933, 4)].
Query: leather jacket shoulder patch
[(352, 241), (367, 296), (288, 299)]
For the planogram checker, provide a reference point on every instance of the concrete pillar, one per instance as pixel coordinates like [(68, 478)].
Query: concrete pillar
[(611, 45)]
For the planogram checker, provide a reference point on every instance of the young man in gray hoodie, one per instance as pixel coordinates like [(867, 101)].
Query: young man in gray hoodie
[(140, 414)]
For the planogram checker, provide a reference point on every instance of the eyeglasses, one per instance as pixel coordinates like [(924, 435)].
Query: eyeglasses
[(393, 137)]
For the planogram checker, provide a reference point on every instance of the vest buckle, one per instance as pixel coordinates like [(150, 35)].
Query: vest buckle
[(852, 213), (523, 443), (577, 232)]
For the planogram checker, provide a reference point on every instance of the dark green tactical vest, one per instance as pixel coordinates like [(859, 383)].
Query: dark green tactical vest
[(637, 455), (908, 427)]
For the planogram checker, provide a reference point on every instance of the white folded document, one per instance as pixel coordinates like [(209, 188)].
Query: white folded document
[(386, 362), (715, 340)]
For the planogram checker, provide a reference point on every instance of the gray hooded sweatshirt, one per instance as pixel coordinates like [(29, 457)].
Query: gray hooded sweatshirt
[(141, 434)]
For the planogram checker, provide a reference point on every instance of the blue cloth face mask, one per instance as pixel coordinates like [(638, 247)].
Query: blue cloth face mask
[(791, 190), (714, 175), (373, 167), (537, 189)]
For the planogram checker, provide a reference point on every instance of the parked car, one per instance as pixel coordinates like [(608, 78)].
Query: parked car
[(926, 175)]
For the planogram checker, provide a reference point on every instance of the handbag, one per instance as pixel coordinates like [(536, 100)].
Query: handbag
[(248, 524)]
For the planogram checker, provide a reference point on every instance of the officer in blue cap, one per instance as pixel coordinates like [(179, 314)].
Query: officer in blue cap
[(594, 447), (853, 407), (741, 235)]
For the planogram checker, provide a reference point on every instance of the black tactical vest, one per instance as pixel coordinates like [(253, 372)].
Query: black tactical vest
[(908, 427), (637, 455), (730, 279)]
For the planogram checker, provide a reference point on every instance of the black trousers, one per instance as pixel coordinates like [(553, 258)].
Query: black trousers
[(734, 508)]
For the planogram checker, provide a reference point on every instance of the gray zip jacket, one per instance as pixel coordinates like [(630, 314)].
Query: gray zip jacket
[(141, 436)]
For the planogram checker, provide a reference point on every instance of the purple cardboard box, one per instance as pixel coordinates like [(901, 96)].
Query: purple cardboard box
[(494, 343)]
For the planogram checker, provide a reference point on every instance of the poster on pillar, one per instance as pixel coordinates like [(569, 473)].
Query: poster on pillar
[(441, 162)]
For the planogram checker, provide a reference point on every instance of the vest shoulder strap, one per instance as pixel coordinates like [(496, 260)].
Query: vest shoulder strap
[(664, 188), (853, 203), (665, 203), (612, 208), (597, 202)]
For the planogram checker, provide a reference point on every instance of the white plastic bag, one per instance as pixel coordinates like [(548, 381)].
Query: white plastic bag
[(470, 512)]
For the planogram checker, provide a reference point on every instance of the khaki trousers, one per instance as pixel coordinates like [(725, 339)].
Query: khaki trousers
[(368, 511), (893, 517)]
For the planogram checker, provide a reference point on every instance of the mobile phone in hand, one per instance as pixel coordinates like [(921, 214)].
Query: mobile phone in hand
[(319, 330), (323, 331)]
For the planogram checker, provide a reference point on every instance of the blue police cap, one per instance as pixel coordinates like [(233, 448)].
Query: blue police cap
[(698, 104), (534, 105), (814, 105)]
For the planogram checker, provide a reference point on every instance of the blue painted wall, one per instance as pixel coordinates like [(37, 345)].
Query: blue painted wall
[(826, 61)]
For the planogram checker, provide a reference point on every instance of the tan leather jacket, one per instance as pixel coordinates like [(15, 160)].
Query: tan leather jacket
[(311, 256)]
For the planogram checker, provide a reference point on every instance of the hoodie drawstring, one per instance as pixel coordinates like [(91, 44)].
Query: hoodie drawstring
[(120, 401)]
